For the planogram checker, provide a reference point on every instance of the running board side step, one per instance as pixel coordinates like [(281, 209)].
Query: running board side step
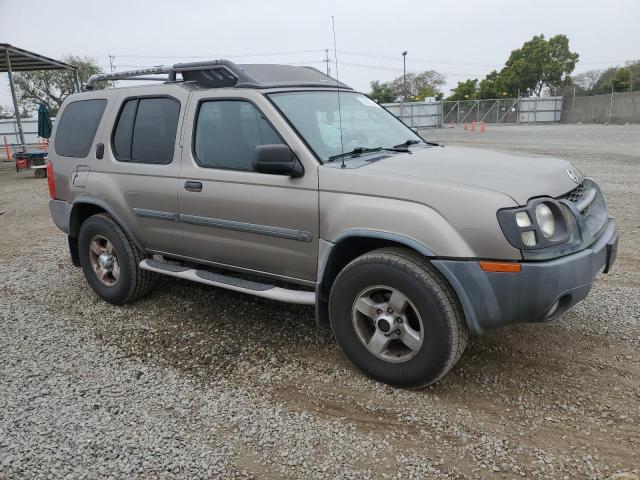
[(257, 289)]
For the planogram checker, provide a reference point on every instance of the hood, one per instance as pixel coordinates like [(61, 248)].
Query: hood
[(519, 176)]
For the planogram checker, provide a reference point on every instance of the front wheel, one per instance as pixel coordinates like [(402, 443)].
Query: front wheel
[(110, 261), (396, 318)]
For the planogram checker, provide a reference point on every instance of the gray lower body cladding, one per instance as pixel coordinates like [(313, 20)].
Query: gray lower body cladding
[(61, 214), (492, 300)]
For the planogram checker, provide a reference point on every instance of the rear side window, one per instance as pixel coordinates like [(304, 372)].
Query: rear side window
[(145, 131), (228, 132), (77, 127)]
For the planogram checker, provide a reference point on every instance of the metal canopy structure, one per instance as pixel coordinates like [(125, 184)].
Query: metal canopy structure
[(14, 59)]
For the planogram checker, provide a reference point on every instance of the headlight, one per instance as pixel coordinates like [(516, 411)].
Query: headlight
[(546, 222), (540, 224)]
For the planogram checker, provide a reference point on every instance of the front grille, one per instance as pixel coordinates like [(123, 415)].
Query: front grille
[(575, 195), (589, 208)]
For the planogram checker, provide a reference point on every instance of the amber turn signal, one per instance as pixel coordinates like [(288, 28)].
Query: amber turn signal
[(500, 267)]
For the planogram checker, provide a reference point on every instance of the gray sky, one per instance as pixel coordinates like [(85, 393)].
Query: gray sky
[(460, 39)]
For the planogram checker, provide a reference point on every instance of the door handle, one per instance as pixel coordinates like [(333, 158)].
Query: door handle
[(191, 186), (100, 151)]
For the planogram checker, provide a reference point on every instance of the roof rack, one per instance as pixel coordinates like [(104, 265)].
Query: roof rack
[(225, 73), (219, 72)]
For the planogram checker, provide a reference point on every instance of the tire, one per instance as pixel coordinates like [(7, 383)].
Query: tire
[(131, 282), (394, 277)]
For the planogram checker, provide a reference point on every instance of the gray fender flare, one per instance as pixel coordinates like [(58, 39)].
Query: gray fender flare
[(327, 248), (74, 227)]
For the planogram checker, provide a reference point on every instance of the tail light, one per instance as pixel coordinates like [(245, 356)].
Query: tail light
[(50, 181)]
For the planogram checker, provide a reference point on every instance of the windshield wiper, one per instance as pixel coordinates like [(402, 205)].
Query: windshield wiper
[(410, 142), (407, 143), (356, 152)]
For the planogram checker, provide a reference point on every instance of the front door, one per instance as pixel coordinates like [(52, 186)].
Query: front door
[(233, 216)]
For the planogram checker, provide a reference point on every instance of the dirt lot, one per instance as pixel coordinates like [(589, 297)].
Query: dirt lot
[(197, 382)]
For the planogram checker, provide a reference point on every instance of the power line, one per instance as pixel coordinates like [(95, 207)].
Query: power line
[(419, 60), (343, 52), (234, 55), (350, 64)]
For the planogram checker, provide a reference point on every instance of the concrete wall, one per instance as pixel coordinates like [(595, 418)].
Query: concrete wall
[(618, 109)]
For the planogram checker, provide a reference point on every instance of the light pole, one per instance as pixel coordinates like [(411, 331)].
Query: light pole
[(404, 74)]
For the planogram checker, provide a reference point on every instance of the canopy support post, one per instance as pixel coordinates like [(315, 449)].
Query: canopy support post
[(12, 87)]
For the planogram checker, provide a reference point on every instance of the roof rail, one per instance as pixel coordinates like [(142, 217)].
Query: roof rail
[(216, 73)]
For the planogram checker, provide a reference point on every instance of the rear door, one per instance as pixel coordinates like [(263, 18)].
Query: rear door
[(72, 151), (233, 216), (138, 173)]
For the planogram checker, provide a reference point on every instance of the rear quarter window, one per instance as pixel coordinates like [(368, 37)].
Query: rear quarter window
[(77, 127)]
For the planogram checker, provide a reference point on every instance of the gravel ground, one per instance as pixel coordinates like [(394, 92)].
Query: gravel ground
[(197, 382)]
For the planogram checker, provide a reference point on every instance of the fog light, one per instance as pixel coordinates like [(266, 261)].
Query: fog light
[(529, 238), (523, 220)]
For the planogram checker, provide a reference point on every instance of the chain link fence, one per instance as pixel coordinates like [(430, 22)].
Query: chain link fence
[(495, 111), (417, 114)]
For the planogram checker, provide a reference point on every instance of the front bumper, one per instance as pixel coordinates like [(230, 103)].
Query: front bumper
[(491, 300)]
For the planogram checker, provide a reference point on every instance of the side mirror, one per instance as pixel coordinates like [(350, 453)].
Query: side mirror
[(277, 159)]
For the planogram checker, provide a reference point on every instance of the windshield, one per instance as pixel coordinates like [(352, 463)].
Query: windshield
[(365, 124)]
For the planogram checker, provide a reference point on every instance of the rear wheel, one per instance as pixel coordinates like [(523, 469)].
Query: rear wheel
[(396, 318), (110, 261)]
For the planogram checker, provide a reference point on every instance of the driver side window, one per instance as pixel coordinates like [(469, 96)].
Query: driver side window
[(228, 132)]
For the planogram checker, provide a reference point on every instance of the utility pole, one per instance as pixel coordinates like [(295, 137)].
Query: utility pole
[(404, 74), (326, 60), (112, 67)]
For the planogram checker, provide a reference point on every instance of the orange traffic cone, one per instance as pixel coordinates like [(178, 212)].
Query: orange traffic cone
[(473, 126), (482, 127), (465, 126), (7, 149)]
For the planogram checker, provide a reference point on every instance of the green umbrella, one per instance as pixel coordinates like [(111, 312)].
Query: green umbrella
[(44, 122)]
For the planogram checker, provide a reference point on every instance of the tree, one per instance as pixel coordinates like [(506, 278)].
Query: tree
[(419, 86), (489, 86), (53, 86), (634, 66), (467, 90), (6, 113), (537, 64), (418, 83), (586, 82), (382, 92), (427, 91), (622, 79)]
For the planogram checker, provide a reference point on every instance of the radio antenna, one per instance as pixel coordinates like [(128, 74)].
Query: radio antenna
[(335, 56)]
